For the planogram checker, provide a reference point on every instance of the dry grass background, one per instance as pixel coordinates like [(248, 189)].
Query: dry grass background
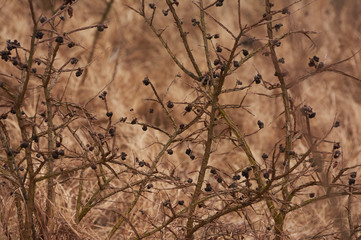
[(127, 51)]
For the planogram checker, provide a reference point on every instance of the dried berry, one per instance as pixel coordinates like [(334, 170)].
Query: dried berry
[(74, 61), (195, 22), (337, 154), (208, 187), (188, 151), (152, 6), (260, 124), (257, 78), (57, 144), (149, 186), (100, 136), (170, 151), (123, 156), (353, 175), (166, 203), (264, 156), (43, 19), (219, 180), (91, 148), (316, 58), (213, 171), (236, 64), (100, 28), (312, 115), (146, 81), (312, 195), (218, 49), (285, 11), (109, 114), (55, 154), (216, 35), (351, 181), (112, 131), (239, 82), (39, 35), (134, 121), (144, 128), (59, 39), (21, 168), (278, 26), (281, 60), (24, 144), (79, 72), (219, 3), (336, 145), (170, 104), (336, 124), (311, 63), (165, 12), (181, 202), (35, 138), (245, 174), (266, 175), (249, 169), (236, 177), (190, 180), (61, 152), (151, 110), (216, 62), (192, 157), (33, 70), (71, 44), (93, 166), (233, 185), (244, 52)]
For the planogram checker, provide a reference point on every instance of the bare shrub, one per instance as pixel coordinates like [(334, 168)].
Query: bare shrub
[(224, 146)]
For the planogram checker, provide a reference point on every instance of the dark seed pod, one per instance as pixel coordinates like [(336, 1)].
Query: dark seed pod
[(264, 156), (43, 19), (312, 195), (353, 175), (71, 44), (245, 174), (170, 104), (351, 181), (39, 35), (208, 187), (260, 124), (213, 171), (24, 144), (59, 39), (109, 114), (170, 151), (245, 52), (79, 72), (181, 202), (266, 175), (146, 81), (144, 128), (236, 177)]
